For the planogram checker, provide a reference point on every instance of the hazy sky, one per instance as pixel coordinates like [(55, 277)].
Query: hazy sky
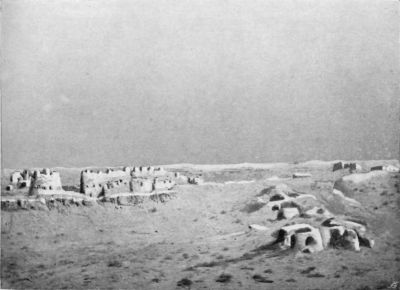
[(95, 82)]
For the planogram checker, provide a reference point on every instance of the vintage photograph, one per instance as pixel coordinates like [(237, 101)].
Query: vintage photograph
[(175, 144)]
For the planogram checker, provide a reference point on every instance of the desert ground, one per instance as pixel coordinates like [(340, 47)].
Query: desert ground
[(201, 238)]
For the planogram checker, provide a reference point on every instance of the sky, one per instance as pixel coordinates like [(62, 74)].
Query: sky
[(107, 83)]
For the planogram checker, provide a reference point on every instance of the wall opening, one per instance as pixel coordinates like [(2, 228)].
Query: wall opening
[(310, 241), (292, 241), (276, 197)]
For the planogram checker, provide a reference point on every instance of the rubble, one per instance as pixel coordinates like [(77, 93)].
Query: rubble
[(288, 213), (195, 180), (318, 211), (301, 237), (286, 202), (258, 227), (277, 195), (332, 233), (351, 166), (358, 178), (388, 168), (138, 198), (301, 175), (21, 179)]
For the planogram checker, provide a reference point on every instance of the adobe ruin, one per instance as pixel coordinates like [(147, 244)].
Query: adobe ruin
[(353, 167), (301, 237), (21, 179), (130, 180), (45, 181), (388, 168), (332, 233)]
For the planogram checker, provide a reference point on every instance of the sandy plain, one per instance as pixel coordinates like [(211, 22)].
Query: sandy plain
[(201, 238)]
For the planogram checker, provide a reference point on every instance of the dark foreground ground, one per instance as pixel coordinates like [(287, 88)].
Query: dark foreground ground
[(200, 239)]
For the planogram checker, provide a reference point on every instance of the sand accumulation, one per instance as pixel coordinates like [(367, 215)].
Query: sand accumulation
[(246, 226)]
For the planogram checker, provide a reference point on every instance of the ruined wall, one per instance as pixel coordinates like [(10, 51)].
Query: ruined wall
[(97, 183), (195, 180), (15, 177), (148, 171), (116, 186), (163, 184), (45, 181), (143, 179), (142, 185), (180, 178), (21, 179), (332, 232)]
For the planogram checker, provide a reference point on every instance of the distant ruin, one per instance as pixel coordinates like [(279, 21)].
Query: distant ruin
[(36, 182), (21, 179), (45, 181), (302, 237), (96, 183), (332, 233), (352, 167), (123, 186), (389, 168), (130, 179), (100, 183)]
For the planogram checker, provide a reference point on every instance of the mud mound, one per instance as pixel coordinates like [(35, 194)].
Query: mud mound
[(345, 187), (253, 206), (60, 202)]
